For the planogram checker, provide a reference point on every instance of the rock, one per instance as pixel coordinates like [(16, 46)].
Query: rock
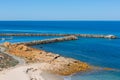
[(111, 36), (7, 44), (108, 69), (1, 57), (1, 69), (22, 47)]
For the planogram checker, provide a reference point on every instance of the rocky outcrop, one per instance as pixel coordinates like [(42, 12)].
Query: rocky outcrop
[(7, 44), (54, 62)]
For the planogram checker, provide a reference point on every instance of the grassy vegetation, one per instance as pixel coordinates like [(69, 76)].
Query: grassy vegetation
[(7, 61)]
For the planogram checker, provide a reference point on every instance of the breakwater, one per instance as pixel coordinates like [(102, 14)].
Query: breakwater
[(46, 34), (37, 42)]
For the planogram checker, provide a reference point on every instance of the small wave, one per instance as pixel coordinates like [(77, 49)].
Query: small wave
[(21, 30), (89, 57), (67, 78), (116, 70)]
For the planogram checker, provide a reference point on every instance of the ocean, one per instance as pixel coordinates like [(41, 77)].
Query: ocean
[(95, 51)]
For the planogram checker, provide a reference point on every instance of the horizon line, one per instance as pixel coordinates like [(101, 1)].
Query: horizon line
[(61, 20)]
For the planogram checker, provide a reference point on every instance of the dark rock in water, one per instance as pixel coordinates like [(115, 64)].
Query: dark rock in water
[(41, 47)]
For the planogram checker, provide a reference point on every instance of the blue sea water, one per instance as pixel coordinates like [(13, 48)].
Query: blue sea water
[(97, 52)]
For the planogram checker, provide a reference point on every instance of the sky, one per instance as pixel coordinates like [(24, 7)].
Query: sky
[(59, 9)]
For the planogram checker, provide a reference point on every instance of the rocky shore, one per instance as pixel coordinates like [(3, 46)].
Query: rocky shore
[(53, 63), (46, 34)]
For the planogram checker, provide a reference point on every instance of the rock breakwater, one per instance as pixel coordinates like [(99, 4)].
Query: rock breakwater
[(66, 38), (46, 34)]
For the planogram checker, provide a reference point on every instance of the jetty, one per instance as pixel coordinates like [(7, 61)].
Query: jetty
[(109, 36), (37, 42)]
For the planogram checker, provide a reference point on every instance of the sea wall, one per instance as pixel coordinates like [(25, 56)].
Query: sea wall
[(46, 34), (37, 42)]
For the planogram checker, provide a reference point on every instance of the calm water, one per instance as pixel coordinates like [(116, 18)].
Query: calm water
[(97, 52)]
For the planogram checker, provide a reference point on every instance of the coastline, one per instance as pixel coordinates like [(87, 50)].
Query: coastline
[(54, 62), (40, 70), (49, 67)]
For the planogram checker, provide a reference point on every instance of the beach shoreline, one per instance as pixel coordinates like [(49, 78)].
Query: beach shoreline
[(38, 71)]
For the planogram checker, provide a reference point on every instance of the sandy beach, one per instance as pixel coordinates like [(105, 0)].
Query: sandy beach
[(28, 72)]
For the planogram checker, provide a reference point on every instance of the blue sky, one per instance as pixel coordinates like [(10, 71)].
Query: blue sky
[(59, 9)]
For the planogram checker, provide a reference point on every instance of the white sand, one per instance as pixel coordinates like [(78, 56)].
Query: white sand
[(19, 73), (14, 74)]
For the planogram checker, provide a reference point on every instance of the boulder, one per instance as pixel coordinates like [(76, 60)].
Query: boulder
[(1, 57), (22, 47), (111, 36), (7, 44)]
